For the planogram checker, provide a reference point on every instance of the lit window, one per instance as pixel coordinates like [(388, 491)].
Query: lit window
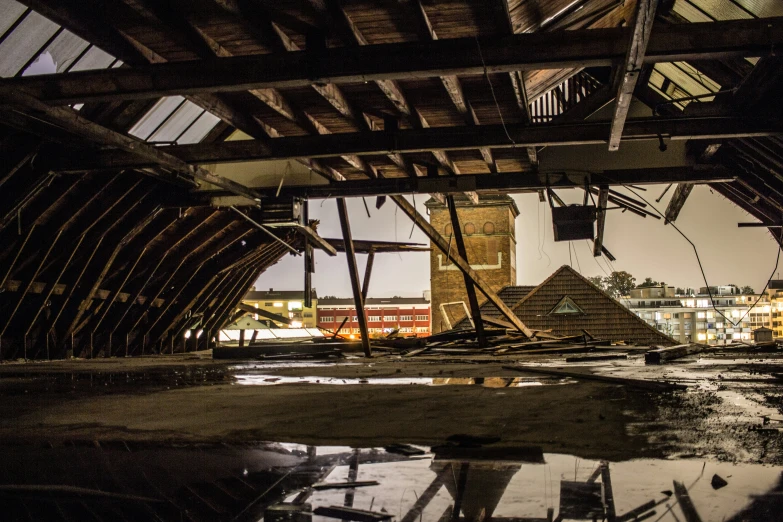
[(278, 305), (295, 324), (406, 318), (700, 315), (294, 305)]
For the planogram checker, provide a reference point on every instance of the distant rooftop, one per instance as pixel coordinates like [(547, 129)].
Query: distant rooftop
[(280, 295), (374, 301)]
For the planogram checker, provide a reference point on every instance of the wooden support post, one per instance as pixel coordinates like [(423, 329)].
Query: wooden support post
[(634, 60), (367, 274), (463, 265), (242, 338), (677, 201), (475, 311), (353, 271), (603, 201)]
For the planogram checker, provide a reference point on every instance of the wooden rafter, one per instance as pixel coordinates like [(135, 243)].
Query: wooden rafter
[(416, 140), (634, 60), (389, 62)]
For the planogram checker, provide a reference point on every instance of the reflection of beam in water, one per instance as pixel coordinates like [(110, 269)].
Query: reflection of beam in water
[(424, 499), (476, 487)]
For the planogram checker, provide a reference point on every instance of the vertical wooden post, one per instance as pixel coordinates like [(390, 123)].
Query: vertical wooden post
[(241, 338), (353, 271), (475, 311), (367, 273)]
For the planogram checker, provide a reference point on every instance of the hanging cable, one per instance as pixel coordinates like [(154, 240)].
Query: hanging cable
[(701, 267)]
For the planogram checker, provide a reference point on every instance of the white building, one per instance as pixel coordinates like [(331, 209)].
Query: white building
[(721, 319)]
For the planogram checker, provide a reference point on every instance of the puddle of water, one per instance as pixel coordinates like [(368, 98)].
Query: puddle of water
[(487, 382), (223, 482)]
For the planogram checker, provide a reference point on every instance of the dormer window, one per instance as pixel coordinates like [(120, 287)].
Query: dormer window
[(566, 306)]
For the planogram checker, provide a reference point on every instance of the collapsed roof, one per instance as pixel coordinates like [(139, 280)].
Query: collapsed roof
[(130, 127)]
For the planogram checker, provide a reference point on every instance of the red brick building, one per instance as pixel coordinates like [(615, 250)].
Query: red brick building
[(410, 314)]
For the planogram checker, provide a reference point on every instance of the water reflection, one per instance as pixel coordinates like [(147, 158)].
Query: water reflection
[(487, 382), (460, 481)]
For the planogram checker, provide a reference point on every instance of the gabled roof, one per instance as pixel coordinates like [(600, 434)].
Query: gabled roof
[(603, 316)]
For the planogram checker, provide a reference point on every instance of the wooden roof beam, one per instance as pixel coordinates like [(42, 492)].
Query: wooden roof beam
[(387, 62), (634, 60), (70, 120), (137, 155), (507, 182)]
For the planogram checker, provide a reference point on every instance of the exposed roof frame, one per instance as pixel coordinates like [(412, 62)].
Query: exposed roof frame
[(558, 50)]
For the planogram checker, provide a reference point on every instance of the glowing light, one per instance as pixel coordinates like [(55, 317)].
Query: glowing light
[(187, 334), (296, 324), (278, 305), (352, 336)]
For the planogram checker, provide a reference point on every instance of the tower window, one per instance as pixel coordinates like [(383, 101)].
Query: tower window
[(448, 230), (489, 227), (470, 228)]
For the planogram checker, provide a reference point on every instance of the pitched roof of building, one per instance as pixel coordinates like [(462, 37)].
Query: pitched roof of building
[(603, 317), (284, 295), (374, 301)]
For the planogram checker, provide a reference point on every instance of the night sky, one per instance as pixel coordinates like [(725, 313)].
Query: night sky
[(645, 247)]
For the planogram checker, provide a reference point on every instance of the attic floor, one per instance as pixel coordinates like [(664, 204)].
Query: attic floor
[(388, 399)]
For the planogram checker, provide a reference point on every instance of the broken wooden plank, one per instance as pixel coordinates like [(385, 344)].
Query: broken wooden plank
[(344, 485), (497, 322), (635, 383), (669, 353), (597, 358), (357, 515)]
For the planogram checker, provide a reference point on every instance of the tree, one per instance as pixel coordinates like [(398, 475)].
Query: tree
[(679, 291), (650, 282), (619, 283), (598, 281), (747, 290)]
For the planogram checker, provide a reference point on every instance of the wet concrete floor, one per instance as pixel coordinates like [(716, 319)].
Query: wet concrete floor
[(179, 437), (134, 481)]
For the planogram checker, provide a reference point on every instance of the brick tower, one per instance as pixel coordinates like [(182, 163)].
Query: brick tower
[(490, 240)]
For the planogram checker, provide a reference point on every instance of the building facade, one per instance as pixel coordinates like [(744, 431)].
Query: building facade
[(724, 318), (410, 314), (288, 303), (489, 231)]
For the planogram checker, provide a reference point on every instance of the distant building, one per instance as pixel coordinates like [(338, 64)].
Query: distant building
[(567, 303), (775, 296), (724, 318), (650, 292), (288, 303), (489, 231), (410, 314)]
